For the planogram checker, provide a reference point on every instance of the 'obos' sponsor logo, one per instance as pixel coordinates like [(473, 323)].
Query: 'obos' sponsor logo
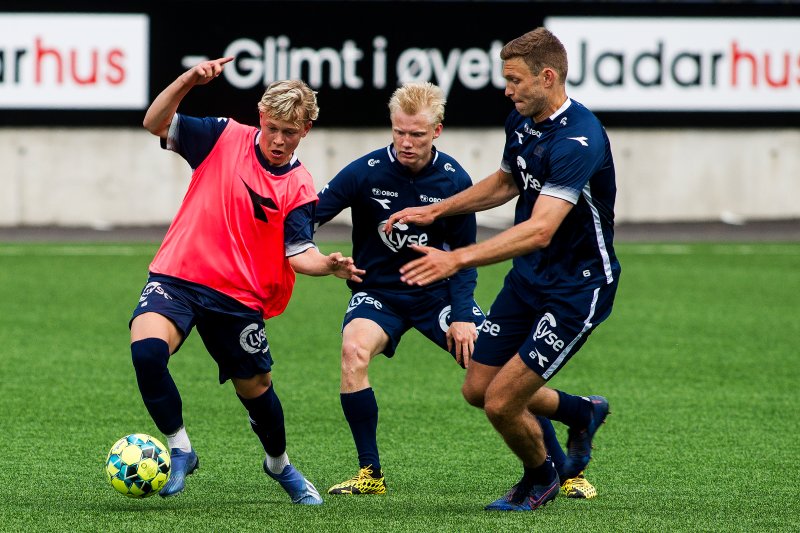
[(398, 238)]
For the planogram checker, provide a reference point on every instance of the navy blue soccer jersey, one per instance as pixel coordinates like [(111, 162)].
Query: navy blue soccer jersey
[(194, 138), (567, 156), (376, 186)]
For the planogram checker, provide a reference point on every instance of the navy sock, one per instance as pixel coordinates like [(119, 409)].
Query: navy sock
[(361, 412), (574, 411), (266, 419), (544, 474), (159, 393), (554, 449)]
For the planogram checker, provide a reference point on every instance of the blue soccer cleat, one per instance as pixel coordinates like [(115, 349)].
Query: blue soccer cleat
[(579, 442), (300, 489), (538, 496), (183, 464)]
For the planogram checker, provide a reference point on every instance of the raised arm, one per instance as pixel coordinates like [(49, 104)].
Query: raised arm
[(160, 113), (496, 189)]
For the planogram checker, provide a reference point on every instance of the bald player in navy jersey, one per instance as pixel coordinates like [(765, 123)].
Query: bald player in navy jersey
[(557, 161)]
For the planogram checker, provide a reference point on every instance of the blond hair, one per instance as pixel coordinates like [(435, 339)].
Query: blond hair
[(538, 48), (289, 100), (414, 98)]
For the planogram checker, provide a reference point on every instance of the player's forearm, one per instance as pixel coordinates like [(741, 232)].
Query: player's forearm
[(518, 240), (311, 263), (159, 115)]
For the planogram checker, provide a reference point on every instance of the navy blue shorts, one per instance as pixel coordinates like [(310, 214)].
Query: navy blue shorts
[(545, 328), (396, 312), (232, 333)]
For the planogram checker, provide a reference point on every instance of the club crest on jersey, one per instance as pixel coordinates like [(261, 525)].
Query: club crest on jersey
[(398, 238)]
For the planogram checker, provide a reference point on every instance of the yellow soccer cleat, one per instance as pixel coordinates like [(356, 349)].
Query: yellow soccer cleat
[(578, 487), (363, 483)]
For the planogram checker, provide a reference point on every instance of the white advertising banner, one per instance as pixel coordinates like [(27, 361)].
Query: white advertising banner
[(682, 64), (74, 61)]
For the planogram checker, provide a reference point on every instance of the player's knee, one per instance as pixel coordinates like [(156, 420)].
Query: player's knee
[(355, 358), (498, 411), (472, 395), (149, 355)]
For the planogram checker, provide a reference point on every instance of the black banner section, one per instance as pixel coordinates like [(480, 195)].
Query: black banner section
[(354, 53)]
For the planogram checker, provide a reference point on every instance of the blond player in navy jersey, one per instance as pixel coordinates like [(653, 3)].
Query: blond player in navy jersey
[(557, 161)]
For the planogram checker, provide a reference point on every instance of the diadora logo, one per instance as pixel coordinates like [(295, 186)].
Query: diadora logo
[(528, 181), (545, 329), (362, 298), (398, 238), (384, 202), (253, 339), (380, 192), (539, 358), (444, 318), (449, 168), (152, 287), (429, 199), (581, 140), (373, 162)]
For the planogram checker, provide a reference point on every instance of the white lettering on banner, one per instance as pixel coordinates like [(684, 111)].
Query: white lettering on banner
[(74, 61), (261, 63), (704, 64), (255, 64)]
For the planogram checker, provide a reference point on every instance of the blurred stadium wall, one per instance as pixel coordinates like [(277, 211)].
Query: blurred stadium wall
[(701, 99)]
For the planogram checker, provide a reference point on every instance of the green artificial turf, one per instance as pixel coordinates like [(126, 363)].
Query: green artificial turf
[(699, 361)]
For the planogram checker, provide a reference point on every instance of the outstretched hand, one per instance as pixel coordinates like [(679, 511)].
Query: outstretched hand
[(344, 267), (434, 265), (420, 216), (206, 71)]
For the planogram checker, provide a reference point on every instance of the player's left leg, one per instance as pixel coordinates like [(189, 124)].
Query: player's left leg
[(562, 330), (571, 487), (236, 339), (257, 394), (362, 339)]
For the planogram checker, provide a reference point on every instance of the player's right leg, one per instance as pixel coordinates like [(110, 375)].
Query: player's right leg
[(154, 337), (362, 339), (506, 407)]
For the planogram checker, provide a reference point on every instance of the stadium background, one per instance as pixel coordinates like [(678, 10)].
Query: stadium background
[(75, 156)]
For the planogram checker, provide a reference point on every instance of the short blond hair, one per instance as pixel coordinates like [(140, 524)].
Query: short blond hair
[(290, 100), (415, 98), (538, 48)]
